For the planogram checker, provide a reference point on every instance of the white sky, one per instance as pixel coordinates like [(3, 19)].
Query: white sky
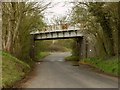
[(61, 8)]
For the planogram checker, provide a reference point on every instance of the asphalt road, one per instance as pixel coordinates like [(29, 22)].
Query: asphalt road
[(54, 72)]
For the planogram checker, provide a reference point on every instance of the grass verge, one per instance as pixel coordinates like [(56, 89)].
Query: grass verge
[(108, 66), (41, 55), (13, 70)]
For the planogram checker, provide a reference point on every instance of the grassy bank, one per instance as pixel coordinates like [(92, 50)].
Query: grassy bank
[(13, 70), (41, 55), (109, 66)]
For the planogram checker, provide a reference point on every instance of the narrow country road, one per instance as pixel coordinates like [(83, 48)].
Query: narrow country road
[(54, 72)]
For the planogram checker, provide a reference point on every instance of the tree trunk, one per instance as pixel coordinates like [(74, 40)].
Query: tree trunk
[(9, 42), (119, 28)]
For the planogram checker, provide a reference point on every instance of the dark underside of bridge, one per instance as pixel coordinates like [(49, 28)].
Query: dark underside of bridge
[(58, 38)]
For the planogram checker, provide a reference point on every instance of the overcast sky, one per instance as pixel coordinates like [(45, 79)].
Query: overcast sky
[(61, 8)]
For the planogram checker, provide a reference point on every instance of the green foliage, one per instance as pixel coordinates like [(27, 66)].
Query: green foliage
[(103, 17), (57, 48), (19, 20), (13, 70), (56, 45), (108, 66), (43, 47), (41, 55), (99, 21)]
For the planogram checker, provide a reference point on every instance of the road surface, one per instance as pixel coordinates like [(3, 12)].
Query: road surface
[(54, 72)]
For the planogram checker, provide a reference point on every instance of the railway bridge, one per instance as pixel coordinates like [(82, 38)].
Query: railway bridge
[(85, 48), (57, 32)]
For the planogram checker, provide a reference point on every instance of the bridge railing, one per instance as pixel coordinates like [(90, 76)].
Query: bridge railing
[(59, 27)]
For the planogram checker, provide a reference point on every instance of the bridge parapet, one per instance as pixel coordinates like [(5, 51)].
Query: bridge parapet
[(58, 27)]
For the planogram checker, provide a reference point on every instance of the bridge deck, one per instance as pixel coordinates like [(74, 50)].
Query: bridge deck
[(57, 34), (52, 31)]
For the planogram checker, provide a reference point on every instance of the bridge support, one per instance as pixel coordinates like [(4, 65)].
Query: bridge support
[(79, 46), (32, 51), (58, 34)]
